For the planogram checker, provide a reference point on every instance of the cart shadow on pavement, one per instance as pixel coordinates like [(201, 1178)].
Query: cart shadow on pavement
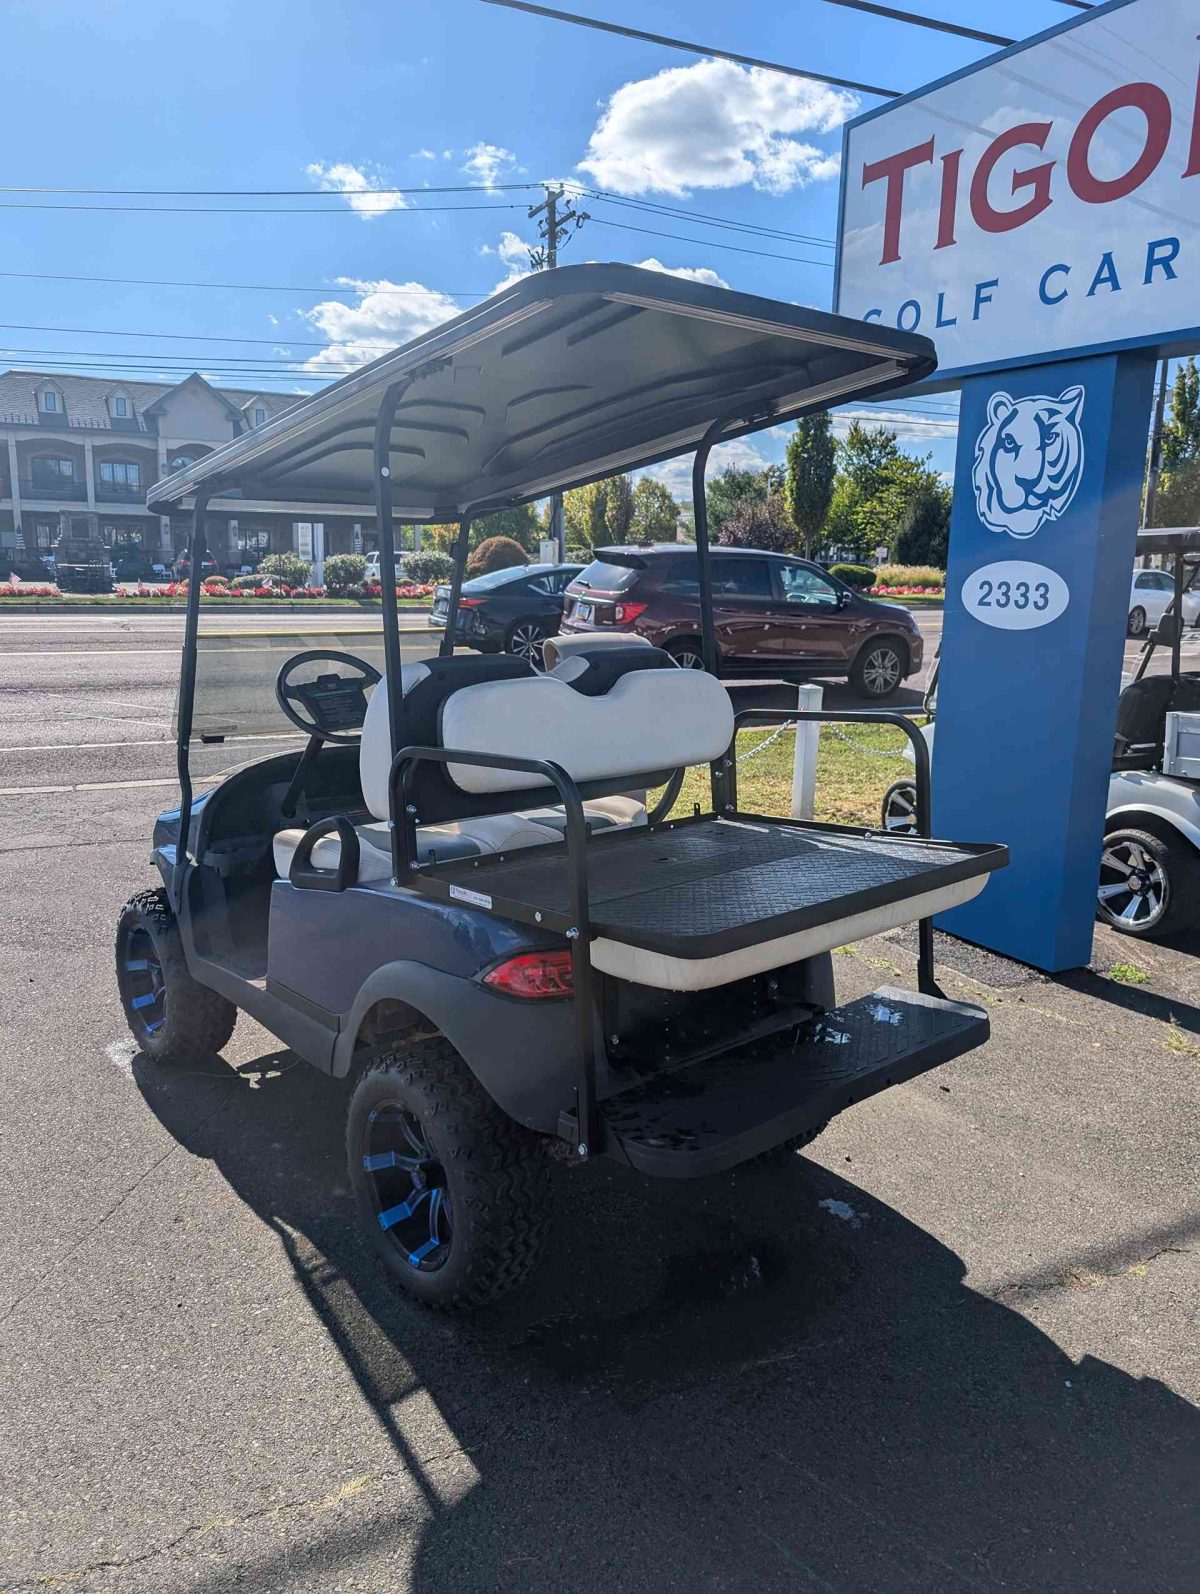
[(766, 1381)]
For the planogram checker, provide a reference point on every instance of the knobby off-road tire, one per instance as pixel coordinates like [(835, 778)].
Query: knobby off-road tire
[(474, 1180), (172, 1017)]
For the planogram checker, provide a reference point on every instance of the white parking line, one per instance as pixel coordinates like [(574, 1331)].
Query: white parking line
[(158, 741)]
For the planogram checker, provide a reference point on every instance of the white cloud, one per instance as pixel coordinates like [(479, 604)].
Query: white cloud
[(715, 125), (703, 274), (386, 315), (358, 184), (424, 155), (514, 252), (486, 162), (910, 426), (676, 474)]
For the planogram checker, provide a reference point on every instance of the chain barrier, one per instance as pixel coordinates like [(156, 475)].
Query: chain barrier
[(870, 752)]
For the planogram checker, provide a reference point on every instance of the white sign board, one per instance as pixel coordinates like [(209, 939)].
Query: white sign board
[(1043, 202)]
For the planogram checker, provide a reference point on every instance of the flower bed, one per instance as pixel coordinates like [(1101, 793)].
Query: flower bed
[(908, 592), (177, 591)]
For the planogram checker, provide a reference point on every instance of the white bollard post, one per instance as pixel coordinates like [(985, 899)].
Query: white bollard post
[(808, 739)]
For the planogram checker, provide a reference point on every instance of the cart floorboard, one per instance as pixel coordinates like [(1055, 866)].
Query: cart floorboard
[(712, 1115), (699, 888)]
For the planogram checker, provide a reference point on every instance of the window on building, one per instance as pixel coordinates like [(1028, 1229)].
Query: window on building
[(43, 535), (47, 472), (260, 416), (249, 543), (120, 473), (49, 401), (120, 407)]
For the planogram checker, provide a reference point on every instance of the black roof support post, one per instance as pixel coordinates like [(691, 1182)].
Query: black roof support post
[(384, 417), (459, 555), (708, 631), (198, 547)]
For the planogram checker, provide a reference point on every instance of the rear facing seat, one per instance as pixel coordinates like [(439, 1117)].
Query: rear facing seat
[(575, 715)]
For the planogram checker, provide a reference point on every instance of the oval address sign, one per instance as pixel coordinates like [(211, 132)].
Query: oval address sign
[(1015, 595)]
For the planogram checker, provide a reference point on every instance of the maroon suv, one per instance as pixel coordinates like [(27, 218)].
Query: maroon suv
[(775, 615)]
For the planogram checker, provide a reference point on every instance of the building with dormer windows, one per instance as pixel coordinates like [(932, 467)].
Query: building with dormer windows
[(79, 453)]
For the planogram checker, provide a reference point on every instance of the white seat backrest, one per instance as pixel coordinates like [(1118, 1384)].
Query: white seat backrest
[(648, 720), (555, 649), (375, 747)]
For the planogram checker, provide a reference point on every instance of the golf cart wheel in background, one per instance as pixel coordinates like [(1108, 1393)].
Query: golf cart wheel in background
[(172, 1017), (1149, 885), (451, 1190), (879, 668), (1137, 620), (525, 640), (899, 809)]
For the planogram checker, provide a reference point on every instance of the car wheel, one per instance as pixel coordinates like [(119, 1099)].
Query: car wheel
[(879, 669), (687, 654), (1137, 620), (525, 640), (899, 812), (1148, 886), (450, 1189)]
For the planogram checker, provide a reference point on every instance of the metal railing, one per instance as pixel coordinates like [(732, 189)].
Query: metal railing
[(118, 493), (61, 490)]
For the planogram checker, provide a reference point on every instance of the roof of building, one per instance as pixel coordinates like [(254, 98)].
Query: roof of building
[(85, 397)]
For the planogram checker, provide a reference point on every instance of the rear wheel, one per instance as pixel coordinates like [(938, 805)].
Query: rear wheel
[(1137, 620), (173, 1018), (900, 808), (525, 639), (879, 668), (451, 1190), (1149, 885), (687, 653)]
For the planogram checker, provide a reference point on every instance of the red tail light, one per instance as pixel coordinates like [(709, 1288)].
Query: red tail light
[(627, 612), (536, 976), (470, 603)]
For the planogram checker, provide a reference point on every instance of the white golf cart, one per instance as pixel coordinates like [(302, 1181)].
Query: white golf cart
[(1149, 882)]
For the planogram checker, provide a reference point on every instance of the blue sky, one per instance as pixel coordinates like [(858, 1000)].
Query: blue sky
[(352, 97)]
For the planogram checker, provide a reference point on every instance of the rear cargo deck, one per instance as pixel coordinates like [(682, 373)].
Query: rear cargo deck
[(705, 887)]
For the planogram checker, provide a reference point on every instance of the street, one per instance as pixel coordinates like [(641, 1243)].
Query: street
[(950, 1347)]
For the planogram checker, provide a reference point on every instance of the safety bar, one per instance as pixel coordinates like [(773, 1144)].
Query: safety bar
[(578, 932), (926, 982)]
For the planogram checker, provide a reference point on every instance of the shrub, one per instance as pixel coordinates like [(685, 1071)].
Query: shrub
[(497, 553), (215, 584), (245, 583), (761, 524), (288, 568), (909, 576), (857, 577), (344, 573), (428, 566)]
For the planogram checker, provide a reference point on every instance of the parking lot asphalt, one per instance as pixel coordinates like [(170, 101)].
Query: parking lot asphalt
[(950, 1347)]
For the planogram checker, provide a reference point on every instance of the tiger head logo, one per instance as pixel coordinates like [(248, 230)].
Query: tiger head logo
[(1028, 461)]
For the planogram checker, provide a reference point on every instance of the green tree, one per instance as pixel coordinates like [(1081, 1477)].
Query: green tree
[(923, 537), (1179, 485), (618, 508), (811, 471), (655, 512), (600, 513), (876, 486), (766, 524), (728, 491)]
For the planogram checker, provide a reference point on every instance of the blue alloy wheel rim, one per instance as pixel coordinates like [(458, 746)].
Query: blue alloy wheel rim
[(407, 1185), (145, 982)]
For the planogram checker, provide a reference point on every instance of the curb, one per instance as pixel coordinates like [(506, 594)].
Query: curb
[(152, 606)]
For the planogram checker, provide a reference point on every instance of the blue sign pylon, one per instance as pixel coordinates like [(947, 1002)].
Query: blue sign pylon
[(1051, 460)]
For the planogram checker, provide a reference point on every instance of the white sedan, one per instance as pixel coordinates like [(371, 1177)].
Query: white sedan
[(1149, 593)]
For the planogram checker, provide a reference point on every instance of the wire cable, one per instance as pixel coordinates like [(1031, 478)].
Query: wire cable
[(708, 243), (937, 26), (247, 287), (691, 49)]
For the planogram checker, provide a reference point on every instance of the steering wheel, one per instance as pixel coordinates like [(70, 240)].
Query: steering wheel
[(334, 705)]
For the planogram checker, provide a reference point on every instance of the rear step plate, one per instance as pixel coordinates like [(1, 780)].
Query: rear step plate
[(715, 1114)]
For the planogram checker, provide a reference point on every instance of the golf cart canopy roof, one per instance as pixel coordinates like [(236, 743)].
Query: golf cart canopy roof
[(1176, 540), (566, 377)]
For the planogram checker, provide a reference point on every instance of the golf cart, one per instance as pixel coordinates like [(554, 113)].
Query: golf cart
[(1149, 881), (458, 895)]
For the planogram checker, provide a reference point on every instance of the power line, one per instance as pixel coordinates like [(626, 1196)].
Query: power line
[(706, 219), (689, 48), (184, 337), (270, 193), (244, 287), (708, 243), (893, 15), (248, 210)]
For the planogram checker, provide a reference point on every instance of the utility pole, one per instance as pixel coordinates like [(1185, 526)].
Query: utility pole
[(1156, 443), (553, 229)]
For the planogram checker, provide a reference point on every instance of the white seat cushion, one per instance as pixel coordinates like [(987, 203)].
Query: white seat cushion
[(648, 720)]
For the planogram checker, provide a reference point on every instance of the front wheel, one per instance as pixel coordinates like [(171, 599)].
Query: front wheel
[(899, 813), (687, 654), (1148, 886), (173, 1018), (1137, 621), (451, 1190), (879, 669)]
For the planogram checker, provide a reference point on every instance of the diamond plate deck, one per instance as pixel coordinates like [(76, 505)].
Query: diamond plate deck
[(716, 1114)]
